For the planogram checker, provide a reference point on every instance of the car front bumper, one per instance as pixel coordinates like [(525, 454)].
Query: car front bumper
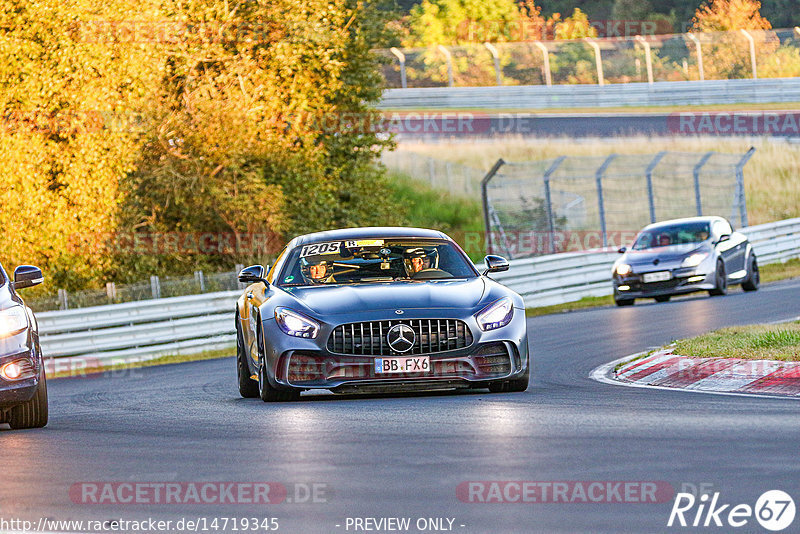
[(494, 356), (684, 280)]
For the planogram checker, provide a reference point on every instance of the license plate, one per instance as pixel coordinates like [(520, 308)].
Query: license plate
[(657, 277), (415, 364)]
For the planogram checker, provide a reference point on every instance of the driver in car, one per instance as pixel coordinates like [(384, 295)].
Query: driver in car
[(317, 271)]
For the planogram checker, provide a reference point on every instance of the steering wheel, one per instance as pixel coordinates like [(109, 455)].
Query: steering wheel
[(431, 274)]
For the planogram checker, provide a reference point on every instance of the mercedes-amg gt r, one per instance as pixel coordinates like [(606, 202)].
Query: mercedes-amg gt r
[(378, 310)]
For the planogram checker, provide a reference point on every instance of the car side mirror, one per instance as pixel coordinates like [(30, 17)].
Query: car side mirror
[(253, 274), (723, 238), (495, 264), (622, 250), (27, 276)]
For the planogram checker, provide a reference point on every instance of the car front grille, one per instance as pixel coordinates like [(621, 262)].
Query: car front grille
[(369, 338)]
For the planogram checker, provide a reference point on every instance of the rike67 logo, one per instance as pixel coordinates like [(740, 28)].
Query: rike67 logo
[(774, 510)]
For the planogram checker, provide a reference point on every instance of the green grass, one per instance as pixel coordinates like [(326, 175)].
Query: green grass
[(164, 360), (755, 342), (583, 304), (780, 271)]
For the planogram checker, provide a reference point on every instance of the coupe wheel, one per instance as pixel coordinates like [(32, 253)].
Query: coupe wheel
[(663, 298), (248, 388), (624, 302), (34, 413), (721, 281), (753, 276), (265, 390)]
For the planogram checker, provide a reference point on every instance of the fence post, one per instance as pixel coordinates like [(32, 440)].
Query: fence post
[(548, 78), (697, 199), (496, 58), (740, 186), (648, 59), (449, 57), (485, 201), (402, 59), (155, 287), (699, 50), (598, 59), (111, 291), (752, 52), (63, 301), (431, 170), (649, 175), (551, 224), (601, 208), (201, 280)]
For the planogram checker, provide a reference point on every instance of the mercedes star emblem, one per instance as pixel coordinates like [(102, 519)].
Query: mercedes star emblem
[(401, 338)]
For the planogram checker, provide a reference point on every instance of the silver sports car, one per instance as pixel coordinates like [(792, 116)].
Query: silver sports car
[(378, 310), (682, 256)]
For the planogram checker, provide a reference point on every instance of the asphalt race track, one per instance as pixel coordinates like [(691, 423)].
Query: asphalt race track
[(404, 456)]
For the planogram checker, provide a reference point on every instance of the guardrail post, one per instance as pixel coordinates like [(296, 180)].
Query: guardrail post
[(496, 58), (155, 287), (600, 206), (485, 202), (551, 223), (201, 280), (598, 59), (649, 176), (548, 79), (696, 172), (449, 57), (740, 186), (431, 170), (63, 301), (111, 291), (699, 50), (648, 58), (402, 59), (752, 52)]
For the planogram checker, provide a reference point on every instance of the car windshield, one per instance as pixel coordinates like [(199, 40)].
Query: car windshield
[(367, 260), (675, 234)]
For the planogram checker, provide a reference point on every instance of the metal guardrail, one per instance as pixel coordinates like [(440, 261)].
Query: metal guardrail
[(151, 328), (560, 278), (594, 96)]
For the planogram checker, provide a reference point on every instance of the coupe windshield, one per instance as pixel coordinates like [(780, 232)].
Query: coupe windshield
[(373, 260), (676, 234)]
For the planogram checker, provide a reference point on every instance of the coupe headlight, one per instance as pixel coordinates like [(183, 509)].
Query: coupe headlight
[(295, 324), (12, 321), (496, 315), (694, 260), (623, 269)]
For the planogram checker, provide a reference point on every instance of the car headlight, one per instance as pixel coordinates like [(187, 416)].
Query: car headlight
[(694, 260), (295, 324), (13, 321), (623, 269), (496, 315)]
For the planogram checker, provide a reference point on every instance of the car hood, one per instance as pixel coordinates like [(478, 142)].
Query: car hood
[(332, 300), (662, 254)]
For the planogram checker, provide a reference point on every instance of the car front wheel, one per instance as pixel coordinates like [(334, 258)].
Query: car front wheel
[(721, 281), (248, 388), (34, 413), (265, 390)]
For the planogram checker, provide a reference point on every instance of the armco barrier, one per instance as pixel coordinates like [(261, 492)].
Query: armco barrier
[(151, 328), (518, 97)]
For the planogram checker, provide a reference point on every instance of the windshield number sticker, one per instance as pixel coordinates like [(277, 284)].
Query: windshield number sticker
[(321, 248)]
